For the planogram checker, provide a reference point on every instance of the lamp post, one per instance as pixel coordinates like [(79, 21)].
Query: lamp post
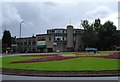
[(20, 27), (20, 37)]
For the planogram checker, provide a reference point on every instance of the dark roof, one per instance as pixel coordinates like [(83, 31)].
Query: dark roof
[(27, 37), (42, 34)]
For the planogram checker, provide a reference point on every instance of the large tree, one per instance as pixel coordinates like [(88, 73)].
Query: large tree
[(103, 37), (6, 40), (107, 36), (89, 36)]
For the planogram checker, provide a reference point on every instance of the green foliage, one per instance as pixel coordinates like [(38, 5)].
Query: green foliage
[(103, 37), (89, 36), (106, 35)]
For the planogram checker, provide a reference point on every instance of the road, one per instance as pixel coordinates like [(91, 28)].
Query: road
[(13, 77)]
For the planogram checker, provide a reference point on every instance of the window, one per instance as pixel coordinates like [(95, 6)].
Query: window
[(49, 38), (25, 43), (49, 32), (65, 31), (64, 38), (33, 43), (58, 31), (74, 39), (29, 43), (21, 43), (58, 38), (41, 39), (18, 43), (74, 31)]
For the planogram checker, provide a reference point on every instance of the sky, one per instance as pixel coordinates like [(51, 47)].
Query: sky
[(38, 16)]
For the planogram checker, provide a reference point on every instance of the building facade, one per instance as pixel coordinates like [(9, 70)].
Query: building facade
[(27, 44), (44, 43), (69, 39), (56, 40)]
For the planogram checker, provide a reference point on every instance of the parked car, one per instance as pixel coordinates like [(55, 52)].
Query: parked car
[(91, 49)]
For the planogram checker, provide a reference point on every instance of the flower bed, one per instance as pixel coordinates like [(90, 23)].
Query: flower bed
[(115, 55), (54, 57), (40, 55)]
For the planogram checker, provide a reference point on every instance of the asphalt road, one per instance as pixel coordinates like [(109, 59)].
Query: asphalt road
[(13, 77)]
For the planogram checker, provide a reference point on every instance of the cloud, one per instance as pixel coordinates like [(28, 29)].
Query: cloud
[(40, 16), (0, 21), (112, 17), (49, 3), (105, 13), (10, 14), (10, 18), (99, 12)]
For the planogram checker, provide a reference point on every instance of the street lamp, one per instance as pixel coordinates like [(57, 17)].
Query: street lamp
[(20, 27)]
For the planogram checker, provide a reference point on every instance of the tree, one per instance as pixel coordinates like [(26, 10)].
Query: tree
[(106, 36), (85, 24), (97, 24), (103, 37), (6, 40), (89, 36)]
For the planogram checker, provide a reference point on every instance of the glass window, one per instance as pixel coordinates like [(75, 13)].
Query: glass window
[(74, 39), (65, 31), (58, 38), (58, 31), (65, 39)]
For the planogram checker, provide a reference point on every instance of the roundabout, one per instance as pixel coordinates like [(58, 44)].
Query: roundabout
[(67, 64)]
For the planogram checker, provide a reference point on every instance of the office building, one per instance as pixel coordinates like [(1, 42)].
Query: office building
[(56, 40)]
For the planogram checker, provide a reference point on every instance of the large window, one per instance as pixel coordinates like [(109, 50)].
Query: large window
[(58, 31), (40, 42), (58, 38), (50, 31)]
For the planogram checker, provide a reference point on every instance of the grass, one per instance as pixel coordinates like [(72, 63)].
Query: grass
[(100, 53), (76, 64), (7, 60)]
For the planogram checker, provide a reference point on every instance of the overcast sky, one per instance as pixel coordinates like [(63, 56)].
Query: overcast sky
[(40, 16)]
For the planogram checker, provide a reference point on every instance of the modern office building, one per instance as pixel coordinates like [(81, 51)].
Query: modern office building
[(69, 39), (56, 40)]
